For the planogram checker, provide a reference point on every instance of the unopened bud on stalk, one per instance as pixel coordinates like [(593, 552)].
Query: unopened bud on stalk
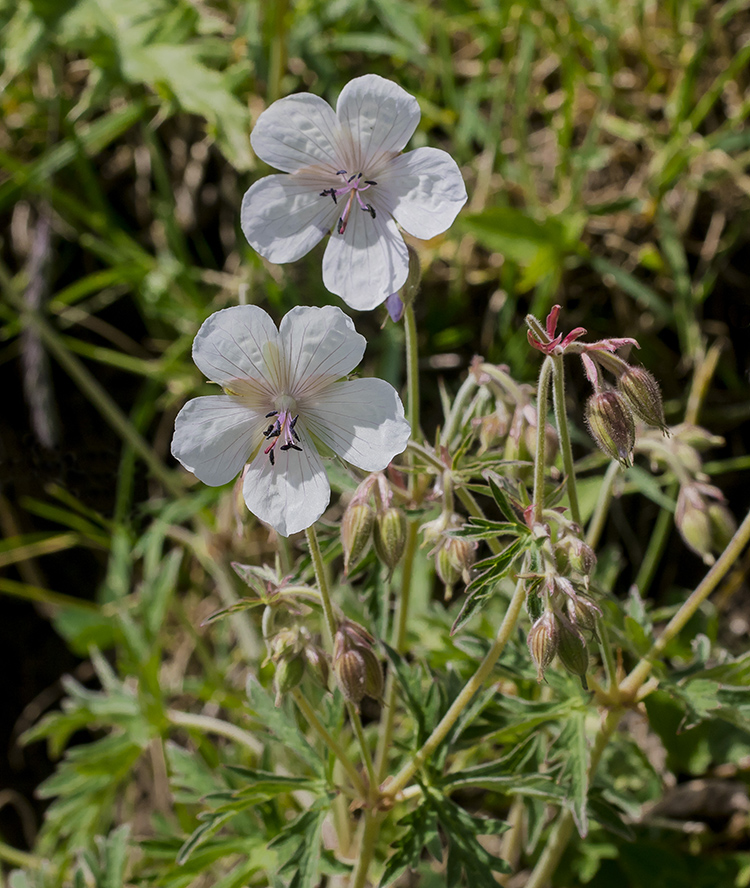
[(643, 395), (723, 526), (374, 682), (543, 642), (389, 536), (356, 531), (583, 612), (573, 553), (693, 521), (351, 674), (318, 664), (454, 559), (289, 672), (611, 425), (571, 649)]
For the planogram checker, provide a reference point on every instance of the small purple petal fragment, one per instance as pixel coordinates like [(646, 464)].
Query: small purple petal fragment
[(395, 307)]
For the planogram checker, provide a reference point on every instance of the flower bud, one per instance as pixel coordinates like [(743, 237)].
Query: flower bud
[(356, 531), (693, 521), (643, 395), (583, 612), (351, 674), (543, 641), (289, 672), (571, 649), (723, 526), (454, 559), (611, 425), (389, 536), (374, 682), (572, 553), (318, 664)]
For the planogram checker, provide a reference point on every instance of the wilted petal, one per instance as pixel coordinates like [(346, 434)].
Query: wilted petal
[(368, 262), (381, 117), (424, 191), (283, 217), (232, 344), (214, 437), (321, 344), (291, 494), (362, 420), (296, 132)]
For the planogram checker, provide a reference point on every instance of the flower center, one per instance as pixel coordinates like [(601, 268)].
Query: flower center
[(282, 428), (353, 186)]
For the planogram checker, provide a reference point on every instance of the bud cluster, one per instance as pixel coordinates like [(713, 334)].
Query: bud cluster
[(611, 413), (453, 555), (383, 524), (295, 653), (562, 610), (703, 519), (355, 663)]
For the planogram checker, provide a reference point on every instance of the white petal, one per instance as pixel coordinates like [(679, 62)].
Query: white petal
[(296, 132), (423, 190), (214, 437), (230, 347), (320, 345), (362, 420), (381, 117), (291, 494), (283, 217), (368, 262)]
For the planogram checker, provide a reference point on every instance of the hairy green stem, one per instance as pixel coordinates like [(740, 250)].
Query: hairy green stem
[(453, 420), (322, 580), (370, 833), (412, 371), (398, 642), (315, 723), (464, 698), (277, 59), (656, 545), (561, 417), (542, 396)]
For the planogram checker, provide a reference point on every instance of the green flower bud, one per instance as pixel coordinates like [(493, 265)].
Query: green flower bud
[(318, 664), (351, 674), (356, 532), (693, 522), (643, 395), (374, 681), (583, 612), (723, 526), (571, 649), (611, 425), (390, 536), (543, 642), (572, 553), (289, 672)]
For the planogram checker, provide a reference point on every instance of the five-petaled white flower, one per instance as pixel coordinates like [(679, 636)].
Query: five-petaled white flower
[(348, 176), (285, 391)]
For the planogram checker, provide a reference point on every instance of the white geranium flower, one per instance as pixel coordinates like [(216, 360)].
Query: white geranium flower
[(284, 391), (348, 176)]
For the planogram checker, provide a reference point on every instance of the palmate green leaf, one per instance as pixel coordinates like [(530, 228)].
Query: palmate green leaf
[(422, 706), (571, 750), (420, 832), (465, 854), (280, 724), (609, 815), (483, 587), (504, 502), (300, 848), (484, 529), (268, 784)]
